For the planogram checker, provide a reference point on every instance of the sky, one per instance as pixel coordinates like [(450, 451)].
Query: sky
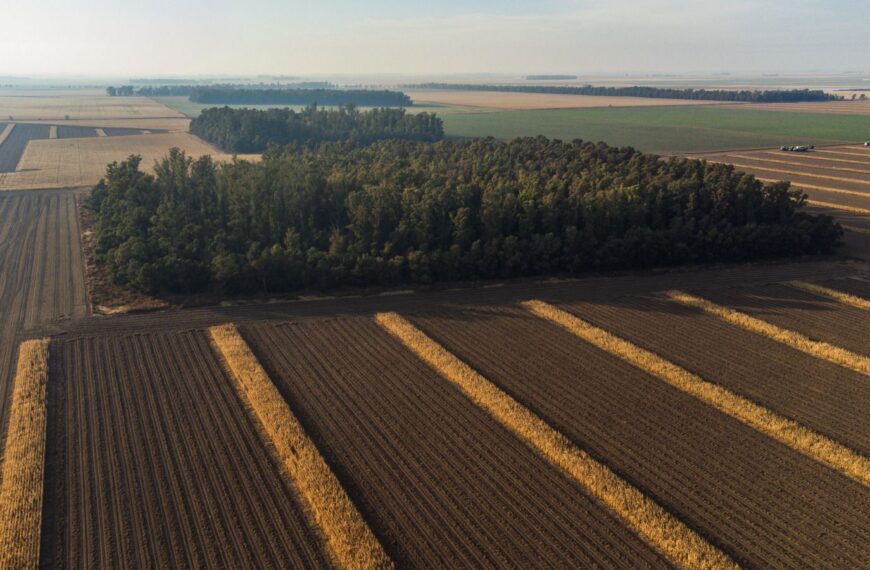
[(129, 38)]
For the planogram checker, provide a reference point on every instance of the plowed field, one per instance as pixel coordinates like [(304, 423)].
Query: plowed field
[(153, 462)]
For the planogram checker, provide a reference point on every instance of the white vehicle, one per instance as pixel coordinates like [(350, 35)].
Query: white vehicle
[(867, 143)]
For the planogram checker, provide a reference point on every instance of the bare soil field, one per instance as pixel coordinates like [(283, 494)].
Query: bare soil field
[(440, 482), (82, 162), (41, 277), (76, 105), (525, 101), (155, 124), (153, 462), (716, 474)]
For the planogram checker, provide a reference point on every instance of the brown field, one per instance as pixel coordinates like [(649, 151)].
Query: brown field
[(164, 124), (155, 457), (66, 163), (520, 101), (77, 105)]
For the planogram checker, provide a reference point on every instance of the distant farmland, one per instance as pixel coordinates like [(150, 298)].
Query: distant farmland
[(667, 130)]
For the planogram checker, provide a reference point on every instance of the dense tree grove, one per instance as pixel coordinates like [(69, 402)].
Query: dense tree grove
[(774, 96), (394, 212), (250, 130), (298, 96)]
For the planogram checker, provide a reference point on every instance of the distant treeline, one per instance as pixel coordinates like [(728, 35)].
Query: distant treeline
[(399, 212), (331, 97), (775, 96), (551, 77), (187, 90), (251, 130)]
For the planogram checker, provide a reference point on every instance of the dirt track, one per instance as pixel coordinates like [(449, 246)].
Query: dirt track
[(760, 502), (441, 483), (154, 462)]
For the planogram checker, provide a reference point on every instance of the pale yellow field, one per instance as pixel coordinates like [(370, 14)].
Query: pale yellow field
[(157, 123), (54, 105), (65, 163), (519, 101)]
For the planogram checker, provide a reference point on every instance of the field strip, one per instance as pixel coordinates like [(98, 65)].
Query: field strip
[(52, 132), (788, 432), (801, 164), (100, 132), (843, 207), (656, 526), (6, 132), (24, 460), (349, 538), (818, 188), (824, 158), (841, 153), (856, 229), (791, 172), (819, 349), (844, 298)]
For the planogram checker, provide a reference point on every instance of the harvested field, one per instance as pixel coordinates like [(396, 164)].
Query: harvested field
[(24, 454), (720, 477), (56, 105), (153, 461), (82, 162), (440, 482), (157, 124), (816, 317), (524, 101), (16, 142), (820, 395), (41, 280)]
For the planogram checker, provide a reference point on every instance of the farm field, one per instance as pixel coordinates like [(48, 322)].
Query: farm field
[(76, 105), (153, 461), (665, 130), (836, 179), (153, 458), (521, 101), (833, 107), (42, 279), (59, 163)]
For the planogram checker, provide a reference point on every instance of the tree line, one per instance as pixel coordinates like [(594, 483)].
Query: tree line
[(399, 212), (185, 90), (770, 96), (253, 131), (331, 97)]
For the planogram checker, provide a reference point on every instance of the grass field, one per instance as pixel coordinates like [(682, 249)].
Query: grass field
[(665, 129)]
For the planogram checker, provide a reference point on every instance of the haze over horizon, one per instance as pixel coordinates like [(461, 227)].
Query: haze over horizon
[(414, 37)]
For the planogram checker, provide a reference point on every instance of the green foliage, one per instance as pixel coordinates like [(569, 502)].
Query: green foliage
[(408, 212), (249, 131), (299, 96), (755, 96)]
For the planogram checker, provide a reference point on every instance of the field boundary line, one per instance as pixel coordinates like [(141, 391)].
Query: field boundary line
[(814, 187), (833, 206), (791, 163), (24, 460), (348, 537), (817, 348), (839, 296), (658, 528), (784, 430), (842, 153), (806, 174)]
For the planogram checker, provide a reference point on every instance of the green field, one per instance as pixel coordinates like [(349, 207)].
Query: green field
[(665, 130)]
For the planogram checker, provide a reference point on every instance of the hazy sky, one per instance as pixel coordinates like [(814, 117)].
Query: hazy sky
[(138, 37)]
